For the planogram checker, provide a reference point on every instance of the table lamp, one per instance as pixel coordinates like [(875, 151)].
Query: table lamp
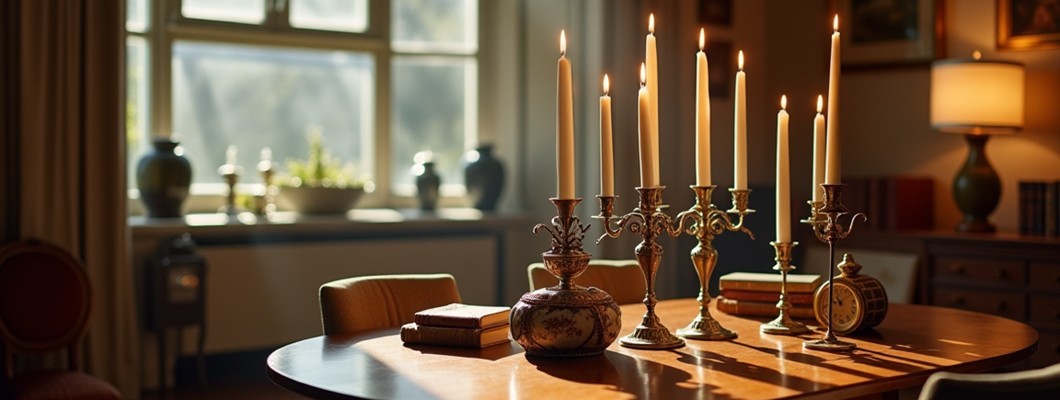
[(977, 98)]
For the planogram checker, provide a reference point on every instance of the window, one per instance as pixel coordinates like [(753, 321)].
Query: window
[(382, 80)]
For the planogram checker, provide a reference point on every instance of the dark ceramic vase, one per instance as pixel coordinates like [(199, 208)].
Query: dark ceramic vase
[(484, 178), (163, 178), (427, 184)]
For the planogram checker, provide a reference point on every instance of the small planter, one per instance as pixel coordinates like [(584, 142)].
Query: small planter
[(319, 200)]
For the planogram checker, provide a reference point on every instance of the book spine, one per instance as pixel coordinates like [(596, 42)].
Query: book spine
[(447, 321), (1049, 208), (766, 286), (737, 307), (794, 298), (1038, 226), (416, 334), (1024, 208)]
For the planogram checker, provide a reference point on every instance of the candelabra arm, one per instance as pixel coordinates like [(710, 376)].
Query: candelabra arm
[(843, 233), (677, 226), (721, 222)]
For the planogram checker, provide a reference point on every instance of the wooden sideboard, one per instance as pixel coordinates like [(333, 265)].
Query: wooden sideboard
[(1004, 274)]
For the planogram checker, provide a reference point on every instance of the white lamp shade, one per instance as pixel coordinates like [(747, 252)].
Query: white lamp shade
[(977, 96)]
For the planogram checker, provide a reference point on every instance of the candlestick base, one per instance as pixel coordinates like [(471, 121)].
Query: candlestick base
[(706, 329), (832, 344), (651, 338), (783, 324)]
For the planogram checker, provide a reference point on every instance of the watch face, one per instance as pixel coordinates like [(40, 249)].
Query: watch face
[(846, 308)]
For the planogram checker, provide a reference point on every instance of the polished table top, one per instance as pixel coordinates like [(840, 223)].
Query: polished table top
[(912, 343)]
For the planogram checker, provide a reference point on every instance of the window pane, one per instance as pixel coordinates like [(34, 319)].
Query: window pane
[(434, 108), (435, 25), (332, 15), (135, 103), (242, 11), (136, 15), (253, 97)]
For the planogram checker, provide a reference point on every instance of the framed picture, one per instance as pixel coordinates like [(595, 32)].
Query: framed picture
[(715, 12), (879, 33), (1028, 24)]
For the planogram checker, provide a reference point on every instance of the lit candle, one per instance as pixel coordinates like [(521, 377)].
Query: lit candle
[(652, 82), (783, 176), (565, 125), (831, 172), (230, 155), (702, 115), (647, 163), (818, 150), (740, 141), (607, 163)]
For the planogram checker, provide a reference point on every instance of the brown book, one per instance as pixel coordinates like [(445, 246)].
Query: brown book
[(411, 333), (765, 297), (761, 309), (458, 315), (763, 282)]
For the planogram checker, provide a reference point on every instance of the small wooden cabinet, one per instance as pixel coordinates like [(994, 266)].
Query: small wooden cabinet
[(1012, 276)]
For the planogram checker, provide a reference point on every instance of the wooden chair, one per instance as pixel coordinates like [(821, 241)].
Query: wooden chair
[(1041, 383), (382, 301), (622, 279), (45, 301)]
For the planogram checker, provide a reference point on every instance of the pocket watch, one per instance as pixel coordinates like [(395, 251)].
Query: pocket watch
[(858, 302)]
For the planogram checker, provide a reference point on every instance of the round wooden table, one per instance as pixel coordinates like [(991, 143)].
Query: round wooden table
[(912, 343)]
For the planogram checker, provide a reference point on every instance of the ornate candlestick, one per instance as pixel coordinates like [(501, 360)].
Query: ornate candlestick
[(230, 172), (265, 167), (649, 221), (828, 229), (709, 221), (784, 325), (565, 320)]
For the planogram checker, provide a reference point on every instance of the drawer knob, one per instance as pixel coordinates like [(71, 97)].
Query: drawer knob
[(958, 268)]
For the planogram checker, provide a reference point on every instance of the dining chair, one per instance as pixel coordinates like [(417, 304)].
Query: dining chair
[(1043, 383), (45, 303), (622, 279), (382, 301)]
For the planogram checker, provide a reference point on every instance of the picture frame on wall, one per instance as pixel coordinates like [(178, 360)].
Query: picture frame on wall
[(890, 33), (1028, 24), (722, 67), (715, 12)]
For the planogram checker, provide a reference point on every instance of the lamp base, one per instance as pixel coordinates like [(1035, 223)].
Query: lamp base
[(971, 224), (976, 188)]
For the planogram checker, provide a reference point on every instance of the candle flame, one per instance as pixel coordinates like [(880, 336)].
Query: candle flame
[(820, 103), (784, 102), (976, 55), (643, 74), (702, 38), (739, 60), (562, 42), (835, 23), (607, 85), (651, 23)]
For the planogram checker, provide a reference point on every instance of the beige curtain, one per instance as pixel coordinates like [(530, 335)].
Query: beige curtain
[(71, 162)]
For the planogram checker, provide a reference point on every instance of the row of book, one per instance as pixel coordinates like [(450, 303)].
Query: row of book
[(892, 203), (756, 294), (1039, 208), (460, 325)]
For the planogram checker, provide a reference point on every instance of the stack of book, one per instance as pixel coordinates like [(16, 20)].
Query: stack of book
[(757, 294), (460, 325), (1039, 208)]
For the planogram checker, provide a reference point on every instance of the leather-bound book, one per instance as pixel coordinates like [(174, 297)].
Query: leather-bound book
[(765, 297), (761, 309), (412, 333), (458, 315), (765, 282)]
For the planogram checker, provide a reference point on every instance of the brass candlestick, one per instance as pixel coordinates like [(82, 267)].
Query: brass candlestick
[(588, 318), (784, 325), (265, 167), (230, 173), (649, 221), (709, 221), (829, 230)]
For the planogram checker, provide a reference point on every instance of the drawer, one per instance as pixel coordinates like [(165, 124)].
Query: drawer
[(1010, 305), (1045, 276), (1045, 310), (1048, 350), (987, 271)]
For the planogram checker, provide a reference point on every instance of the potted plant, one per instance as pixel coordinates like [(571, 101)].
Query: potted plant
[(320, 184)]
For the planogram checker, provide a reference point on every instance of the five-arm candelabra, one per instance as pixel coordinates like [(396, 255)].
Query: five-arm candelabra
[(824, 219), (649, 220)]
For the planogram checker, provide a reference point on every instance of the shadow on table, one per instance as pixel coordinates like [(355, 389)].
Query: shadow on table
[(715, 361), (492, 353), (621, 373)]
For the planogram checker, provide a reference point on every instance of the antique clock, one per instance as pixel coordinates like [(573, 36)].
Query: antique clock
[(858, 302)]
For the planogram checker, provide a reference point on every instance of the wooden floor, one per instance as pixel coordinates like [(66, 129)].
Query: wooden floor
[(246, 390)]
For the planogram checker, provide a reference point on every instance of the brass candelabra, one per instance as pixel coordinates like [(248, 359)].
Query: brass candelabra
[(649, 220), (826, 225), (230, 173), (267, 171), (783, 324)]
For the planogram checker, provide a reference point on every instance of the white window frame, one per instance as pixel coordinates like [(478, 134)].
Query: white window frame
[(166, 26)]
